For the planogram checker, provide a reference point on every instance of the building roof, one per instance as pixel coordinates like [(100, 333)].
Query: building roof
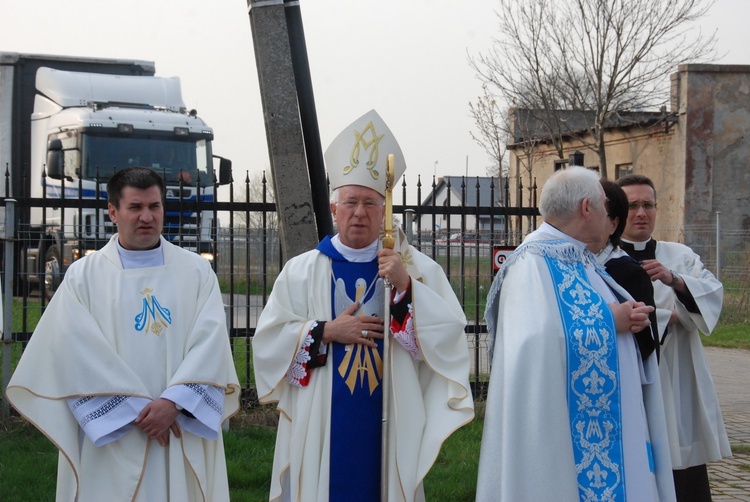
[(485, 190), (529, 123)]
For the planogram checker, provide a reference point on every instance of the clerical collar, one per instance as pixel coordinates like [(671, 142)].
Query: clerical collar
[(638, 246), (140, 259), (364, 255)]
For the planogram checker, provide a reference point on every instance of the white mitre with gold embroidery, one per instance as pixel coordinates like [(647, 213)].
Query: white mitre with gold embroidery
[(358, 154)]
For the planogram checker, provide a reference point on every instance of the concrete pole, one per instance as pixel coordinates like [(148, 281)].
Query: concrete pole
[(281, 112), (309, 119)]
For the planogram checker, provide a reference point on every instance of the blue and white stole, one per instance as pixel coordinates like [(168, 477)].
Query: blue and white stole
[(593, 390)]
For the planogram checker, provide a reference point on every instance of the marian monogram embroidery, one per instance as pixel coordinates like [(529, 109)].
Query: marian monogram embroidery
[(368, 140), (361, 365), (153, 316), (592, 383)]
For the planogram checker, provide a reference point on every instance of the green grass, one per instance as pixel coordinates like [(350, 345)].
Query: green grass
[(240, 286), (249, 453), (454, 474), (28, 462), (730, 336), (26, 316), (471, 282), (243, 361)]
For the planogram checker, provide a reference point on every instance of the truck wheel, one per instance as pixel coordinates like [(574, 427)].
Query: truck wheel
[(51, 271)]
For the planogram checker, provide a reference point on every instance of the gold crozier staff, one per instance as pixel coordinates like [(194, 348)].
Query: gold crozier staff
[(388, 242)]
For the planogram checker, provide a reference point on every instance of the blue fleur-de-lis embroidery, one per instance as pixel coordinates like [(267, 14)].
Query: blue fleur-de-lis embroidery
[(153, 317)]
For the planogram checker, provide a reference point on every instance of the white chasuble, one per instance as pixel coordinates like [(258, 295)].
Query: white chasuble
[(529, 441), (430, 398), (137, 332)]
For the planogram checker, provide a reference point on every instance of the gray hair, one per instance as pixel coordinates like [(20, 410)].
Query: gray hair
[(565, 189)]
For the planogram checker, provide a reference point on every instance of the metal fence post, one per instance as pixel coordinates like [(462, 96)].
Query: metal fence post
[(7, 296), (718, 245), (409, 225)]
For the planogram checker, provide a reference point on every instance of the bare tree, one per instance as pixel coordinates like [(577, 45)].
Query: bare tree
[(493, 131), (528, 152), (256, 189), (526, 145), (592, 56), (526, 75)]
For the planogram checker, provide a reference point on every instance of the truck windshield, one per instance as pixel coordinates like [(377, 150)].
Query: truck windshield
[(177, 160)]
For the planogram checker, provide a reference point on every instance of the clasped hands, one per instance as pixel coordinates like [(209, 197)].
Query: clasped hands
[(157, 418), (631, 316)]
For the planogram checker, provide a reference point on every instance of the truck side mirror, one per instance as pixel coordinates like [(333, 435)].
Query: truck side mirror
[(54, 159), (225, 171)]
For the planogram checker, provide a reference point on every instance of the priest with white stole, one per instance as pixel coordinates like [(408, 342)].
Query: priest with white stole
[(318, 347), (573, 411), (129, 371)]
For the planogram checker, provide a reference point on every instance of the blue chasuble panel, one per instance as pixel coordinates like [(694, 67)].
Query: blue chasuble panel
[(357, 397)]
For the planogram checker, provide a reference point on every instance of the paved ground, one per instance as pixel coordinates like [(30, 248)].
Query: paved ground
[(730, 478)]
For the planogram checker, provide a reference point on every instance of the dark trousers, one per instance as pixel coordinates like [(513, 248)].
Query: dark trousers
[(691, 484)]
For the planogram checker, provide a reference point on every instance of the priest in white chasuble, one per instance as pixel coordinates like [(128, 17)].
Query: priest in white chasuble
[(129, 371), (318, 348)]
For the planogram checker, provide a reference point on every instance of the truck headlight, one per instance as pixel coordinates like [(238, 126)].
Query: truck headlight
[(80, 253)]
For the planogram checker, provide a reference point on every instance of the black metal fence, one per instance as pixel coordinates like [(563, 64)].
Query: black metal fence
[(459, 228), (462, 225)]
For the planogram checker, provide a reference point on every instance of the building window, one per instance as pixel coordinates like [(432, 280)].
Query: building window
[(623, 169)]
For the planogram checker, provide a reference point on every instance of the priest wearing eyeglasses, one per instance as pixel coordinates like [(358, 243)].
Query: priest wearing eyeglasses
[(318, 348), (688, 300)]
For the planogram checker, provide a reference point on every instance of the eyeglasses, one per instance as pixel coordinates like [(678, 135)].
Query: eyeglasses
[(647, 206), (369, 204)]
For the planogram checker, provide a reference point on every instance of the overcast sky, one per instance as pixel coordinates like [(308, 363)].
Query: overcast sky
[(405, 58)]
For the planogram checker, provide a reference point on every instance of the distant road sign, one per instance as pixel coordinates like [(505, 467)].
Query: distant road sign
[(499, 255)]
